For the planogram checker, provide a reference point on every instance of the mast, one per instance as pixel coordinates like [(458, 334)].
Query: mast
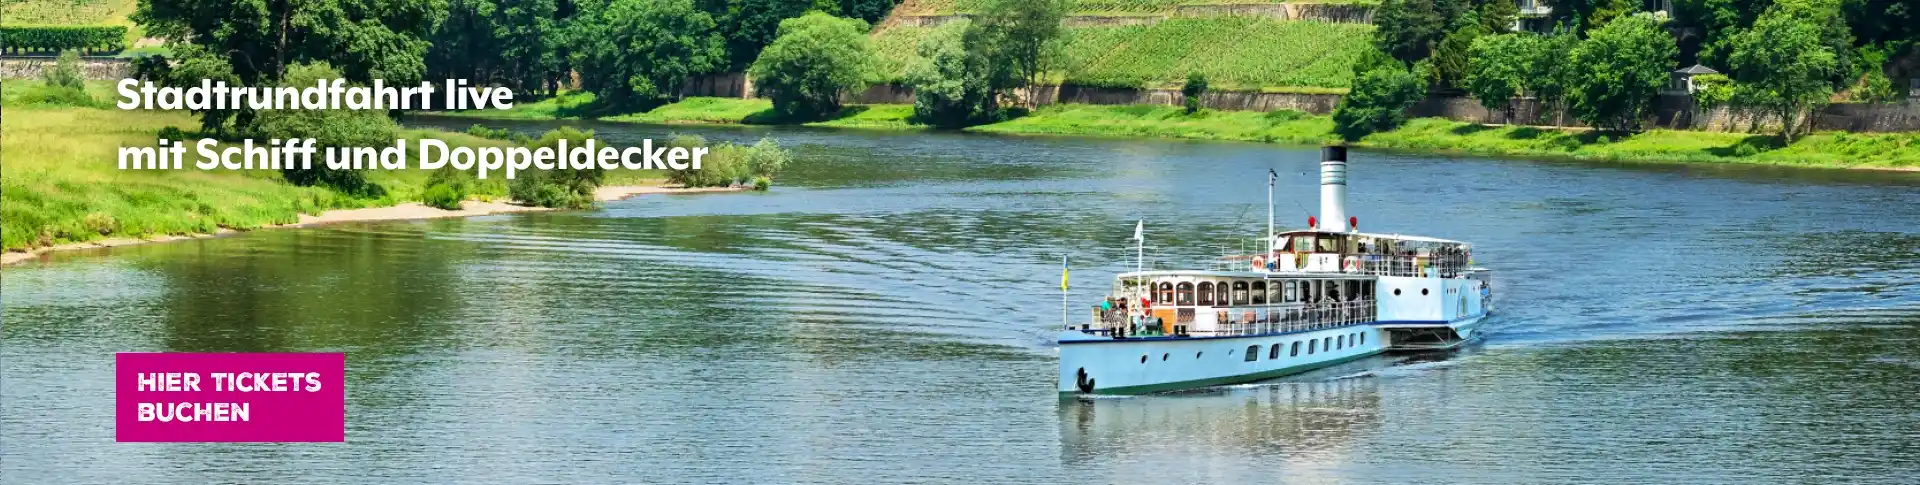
[(1271, 176)]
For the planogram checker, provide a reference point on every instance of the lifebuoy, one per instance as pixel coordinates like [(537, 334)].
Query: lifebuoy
[(1259, 263), (1352, 265)]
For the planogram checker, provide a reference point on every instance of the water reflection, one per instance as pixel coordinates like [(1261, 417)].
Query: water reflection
[(1290, 430)]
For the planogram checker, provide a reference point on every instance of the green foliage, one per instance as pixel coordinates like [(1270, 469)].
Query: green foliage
[(364, 39), (41, 94), (729, 164), (1587, 15), (443, 196), (1450, 61), (1499, 67), (1497, 17), (1782, 67), (1023, 38), (951, 79), (635, 53), (1618, 71), (1410, 30), (328, 128), (1712, 90), (747, 26), (1379, 101), (57, 38), (518, 44), (561, 187), (497, 134), (1235, 53), (1190, 92), (816, 58), (66, 72), (1874, 87)]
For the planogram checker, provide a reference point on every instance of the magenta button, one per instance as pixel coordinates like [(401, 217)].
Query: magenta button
[(183, 397)]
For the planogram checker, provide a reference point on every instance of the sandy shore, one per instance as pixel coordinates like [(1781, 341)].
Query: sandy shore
[(407, 211)]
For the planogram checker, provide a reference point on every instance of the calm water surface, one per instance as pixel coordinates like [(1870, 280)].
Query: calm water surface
[(884, 315)]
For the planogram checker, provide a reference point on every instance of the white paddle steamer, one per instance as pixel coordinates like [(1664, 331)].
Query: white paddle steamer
[(1315, 298)]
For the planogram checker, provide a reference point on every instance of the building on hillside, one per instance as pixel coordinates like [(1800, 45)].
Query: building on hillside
[(1535, 16), (1682, 80)]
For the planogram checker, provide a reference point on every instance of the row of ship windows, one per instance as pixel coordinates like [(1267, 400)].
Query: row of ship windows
[(1327, 344)]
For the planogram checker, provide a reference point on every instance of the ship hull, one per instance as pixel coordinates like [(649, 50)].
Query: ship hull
[(1110, 366)]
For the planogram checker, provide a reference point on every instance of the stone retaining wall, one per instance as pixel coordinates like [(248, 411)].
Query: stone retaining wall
[(98, 69)]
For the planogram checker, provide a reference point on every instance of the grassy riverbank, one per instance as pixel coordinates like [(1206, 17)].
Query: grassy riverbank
[(1426, 135), (60, 182)]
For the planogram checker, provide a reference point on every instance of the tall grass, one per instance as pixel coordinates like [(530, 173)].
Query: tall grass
[(61, 183)]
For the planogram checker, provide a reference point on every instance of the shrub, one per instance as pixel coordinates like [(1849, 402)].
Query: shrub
[(561, 187), (490, 133), (443, 196), (952, 78), (816, 58), (66, 72), (766, 158), (50, 95), (1379, 101), (1190, 92), (762, 183)]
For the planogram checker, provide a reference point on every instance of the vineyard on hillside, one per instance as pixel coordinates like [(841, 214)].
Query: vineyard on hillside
[(65, 12), (1235, 53)]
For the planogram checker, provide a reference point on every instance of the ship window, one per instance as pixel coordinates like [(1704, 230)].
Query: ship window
[(1163, 357), (1328, 244), (1143, 358), (1273, 292), (1166, 294), (1326, 343), (1220, 294), (1185, 293), (1363, 339), (1311, 344), (1273, 352), (1259, 292), (1296, 349), (1396, 292), (1206, 293), (1293, 291), (1423, 292), (1341, 342), (1239, 292), (1196, 355), (1253, 353)]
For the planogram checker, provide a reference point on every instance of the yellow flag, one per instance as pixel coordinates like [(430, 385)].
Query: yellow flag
[(1063, 273)]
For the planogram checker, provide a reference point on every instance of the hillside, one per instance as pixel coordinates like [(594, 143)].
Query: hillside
[(1094, 7), (1235, 53), (66, 12)]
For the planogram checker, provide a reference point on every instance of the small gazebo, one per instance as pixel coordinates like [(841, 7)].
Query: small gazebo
[(1683, 78)]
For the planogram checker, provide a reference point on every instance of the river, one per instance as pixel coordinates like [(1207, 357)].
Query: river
[(885, 315)]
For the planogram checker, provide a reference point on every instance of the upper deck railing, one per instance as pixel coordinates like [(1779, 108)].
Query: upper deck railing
[(1245, 320)]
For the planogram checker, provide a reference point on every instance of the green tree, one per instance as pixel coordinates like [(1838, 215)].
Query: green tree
[(1782, 67), (1023, 38), (1450, 59), (748, 26), (951, 78), (364, 39), (1499, 68), (1409, 30), (1191, 92), (328, 128), (816, 58), (1549, 75), (1498, 16), (1588, 15), (1618, 71), (517, 44), (633, 53), (1379, 101)]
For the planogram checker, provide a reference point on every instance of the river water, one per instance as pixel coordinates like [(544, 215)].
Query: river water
[(884, 315)]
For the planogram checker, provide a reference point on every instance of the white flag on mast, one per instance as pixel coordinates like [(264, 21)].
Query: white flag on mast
[(1139, 230)]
